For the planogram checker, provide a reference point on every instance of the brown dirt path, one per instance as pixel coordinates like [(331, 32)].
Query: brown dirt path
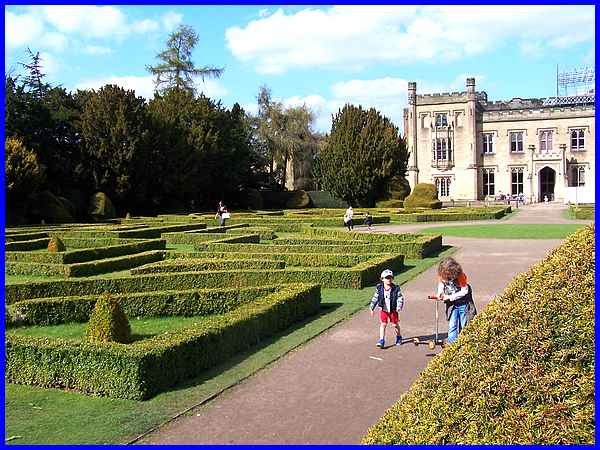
[(332, 389)]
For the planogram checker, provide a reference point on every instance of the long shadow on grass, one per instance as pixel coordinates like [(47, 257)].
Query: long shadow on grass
[(326, 308)]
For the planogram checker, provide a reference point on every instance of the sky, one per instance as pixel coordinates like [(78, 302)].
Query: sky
[(320, 56)]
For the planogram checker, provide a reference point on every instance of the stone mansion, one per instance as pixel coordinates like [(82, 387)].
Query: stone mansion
[(475, 149)]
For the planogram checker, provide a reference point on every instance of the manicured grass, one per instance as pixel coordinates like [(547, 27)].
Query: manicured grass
[(507, 231), (52, 416), (141, 327)]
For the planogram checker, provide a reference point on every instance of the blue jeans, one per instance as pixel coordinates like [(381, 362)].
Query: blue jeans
[(457, 322)]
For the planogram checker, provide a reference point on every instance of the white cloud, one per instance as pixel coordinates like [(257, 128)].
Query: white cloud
[(263, 12), (50, 65), (144, 85), (357, 36), (145, 26), (211, 88), (21, 29), (97, 50), (388, 95), (53, 40), (94, 21), (171, 19)]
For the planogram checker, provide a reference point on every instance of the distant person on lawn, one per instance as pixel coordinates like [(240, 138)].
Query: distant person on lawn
[(348, 218), (222, 214), (456, 293), (368, 221), (388, 297)]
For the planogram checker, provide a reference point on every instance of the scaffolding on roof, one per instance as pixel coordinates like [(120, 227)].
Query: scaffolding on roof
[(576, 82)]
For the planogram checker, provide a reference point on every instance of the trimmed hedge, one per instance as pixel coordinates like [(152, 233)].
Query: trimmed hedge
[(446, 215), (264, 233), (326, 276), (25, 236), (142, 369), (323, 199), (521, 373), (582, 212), (194, 265), (290, 259), (423, 195), (186, 302), (316, 241), (84, 255), (419, 248), (33, 244), (390, 204), (83, 269)]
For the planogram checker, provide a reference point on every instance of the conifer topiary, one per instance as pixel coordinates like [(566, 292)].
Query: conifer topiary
[(56, 245), (424, 195), (108, 322)]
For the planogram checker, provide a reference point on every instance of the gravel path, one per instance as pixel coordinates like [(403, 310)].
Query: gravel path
[(333, 388)]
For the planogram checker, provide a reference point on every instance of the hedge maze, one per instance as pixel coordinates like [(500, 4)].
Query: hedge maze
[(240, 283)]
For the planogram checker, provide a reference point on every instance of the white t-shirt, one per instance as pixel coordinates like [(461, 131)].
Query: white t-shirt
[(387, 299)]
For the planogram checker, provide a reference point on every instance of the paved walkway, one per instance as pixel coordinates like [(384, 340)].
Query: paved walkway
[(333, 388)]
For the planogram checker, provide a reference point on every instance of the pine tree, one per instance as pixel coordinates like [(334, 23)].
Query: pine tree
[(34, 80), (176, 69)]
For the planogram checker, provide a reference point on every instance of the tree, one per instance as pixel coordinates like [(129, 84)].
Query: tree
[(176, 69), (284, 135), (23, 171), (362, 152), (34, 81), (114, 127)]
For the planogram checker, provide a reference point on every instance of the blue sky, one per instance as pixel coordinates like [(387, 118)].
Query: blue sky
[(321, 56)]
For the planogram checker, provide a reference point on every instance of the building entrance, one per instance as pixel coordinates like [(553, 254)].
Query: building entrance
[(547, 183)]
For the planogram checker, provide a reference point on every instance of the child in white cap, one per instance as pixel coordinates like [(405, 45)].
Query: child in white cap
[(389, 298)]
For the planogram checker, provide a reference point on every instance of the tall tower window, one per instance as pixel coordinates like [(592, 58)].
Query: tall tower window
[(442, 149), (443, 186), (516, 142), (488, 182), (516, 178), (578, 140), (441, 120), (546, 138), (488, 143)]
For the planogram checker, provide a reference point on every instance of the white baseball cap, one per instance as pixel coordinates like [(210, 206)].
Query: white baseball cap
[(387, 273)]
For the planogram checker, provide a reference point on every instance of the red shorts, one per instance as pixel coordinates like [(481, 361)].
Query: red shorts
[(388, 316)]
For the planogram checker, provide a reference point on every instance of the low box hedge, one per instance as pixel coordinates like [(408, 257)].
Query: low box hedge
[(419, 248), (521, 373), (326, 276), (582, 212), (290, 259), (25, 236), (85, 255), (86, 268), (142, 369), (316, 241), (187, 303), (264, 233), (33, 244), (193, 265)]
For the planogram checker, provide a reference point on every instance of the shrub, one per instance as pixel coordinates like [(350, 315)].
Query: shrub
[(100, 207), (298, 200), (423, 195), (324, 199), (34, 244), (521, 373), (108, 322), (254, 199), (23, 171), (55, 244)]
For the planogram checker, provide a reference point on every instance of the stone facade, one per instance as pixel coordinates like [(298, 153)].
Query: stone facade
[(473, 149)]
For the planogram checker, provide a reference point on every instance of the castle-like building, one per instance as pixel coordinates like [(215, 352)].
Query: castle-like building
[(475, 149)]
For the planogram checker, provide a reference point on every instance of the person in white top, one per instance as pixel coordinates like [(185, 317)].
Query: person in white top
[(348, 218)]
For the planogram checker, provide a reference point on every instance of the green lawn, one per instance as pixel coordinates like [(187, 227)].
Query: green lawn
[(51, 416), (506, 231)]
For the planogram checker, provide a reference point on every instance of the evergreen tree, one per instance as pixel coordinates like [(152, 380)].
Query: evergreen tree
[(34, 80), (176, 69), (363, 151), (114, 127)]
